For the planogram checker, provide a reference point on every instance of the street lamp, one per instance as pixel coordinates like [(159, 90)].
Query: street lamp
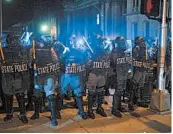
[(8, 0), (44, 28), (1, 10)]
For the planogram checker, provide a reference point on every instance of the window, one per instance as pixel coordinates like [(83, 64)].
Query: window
[(135, 5), (134, 1), (134, 30), (98, 19), (147, 29)]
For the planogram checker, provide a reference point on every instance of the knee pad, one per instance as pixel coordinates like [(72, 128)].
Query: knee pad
[(111, 91), (51, 97), (92, 92), (37, 93), (20, 95), (78, 92)]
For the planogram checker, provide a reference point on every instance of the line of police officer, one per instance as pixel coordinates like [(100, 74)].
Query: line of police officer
[(80, 70)]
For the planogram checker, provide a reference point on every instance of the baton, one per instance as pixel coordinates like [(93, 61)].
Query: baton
[(1, 51), (65, 48), (33, 54), (22, 36), (87, 44), (61, 44), (146, 56)]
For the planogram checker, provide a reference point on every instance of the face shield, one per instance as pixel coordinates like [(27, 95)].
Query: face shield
[(139, 41), (13, 40)]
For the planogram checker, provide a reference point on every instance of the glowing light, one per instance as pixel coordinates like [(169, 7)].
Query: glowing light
[(44, 28), (80, 44), (80, 41), (8, 0)]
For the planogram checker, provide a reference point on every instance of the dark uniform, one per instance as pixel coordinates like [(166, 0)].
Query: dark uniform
[(2, 107), (140, 54), (29, 105), (100, 63), (121, 64), (45, 78), (150, 77), (15, 76), (168, 67)]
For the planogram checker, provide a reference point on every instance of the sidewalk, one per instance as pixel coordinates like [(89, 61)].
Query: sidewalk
[(142, 120)]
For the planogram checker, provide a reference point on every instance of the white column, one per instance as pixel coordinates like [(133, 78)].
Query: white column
[(106, 17), (102, 17), (68, 22), (86, 23), (74, 20)]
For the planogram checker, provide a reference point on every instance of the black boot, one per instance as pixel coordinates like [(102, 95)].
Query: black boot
[(53, 109), (66, 97), (59, 100), (100, 110), (58, 115), (81, 112), (75, 103), (37, 108), (90, 104), (21, 102), (9, 107), (120, 108), (42, 105), (2, 107), (115, 105), (131, 100), (29, 106)]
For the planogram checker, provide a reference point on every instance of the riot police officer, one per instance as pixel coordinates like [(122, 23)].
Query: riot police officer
[(99, 64), (2, 107), (140, 55), (121, 62), (168, 66), (15, 76), (73, 75), (46, 67)]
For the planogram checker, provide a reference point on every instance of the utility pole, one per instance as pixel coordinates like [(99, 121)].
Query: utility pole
[(161, 79), (1, 18), (160, 100)]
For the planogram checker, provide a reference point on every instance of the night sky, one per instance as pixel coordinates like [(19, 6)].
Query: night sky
[(16, 11)]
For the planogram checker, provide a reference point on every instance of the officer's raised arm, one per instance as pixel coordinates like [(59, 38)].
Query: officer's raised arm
[(54, 55)]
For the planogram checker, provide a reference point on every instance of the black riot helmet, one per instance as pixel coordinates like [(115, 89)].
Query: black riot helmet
[(39, 42), (121, 43), (140, 41), (9, 39), (13, 40)]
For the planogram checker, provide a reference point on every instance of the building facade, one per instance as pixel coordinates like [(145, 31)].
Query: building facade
[(113, 17), (140, 25), (85, 16)]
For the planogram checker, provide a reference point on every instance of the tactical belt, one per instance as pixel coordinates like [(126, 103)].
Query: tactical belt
[(100, 87)]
